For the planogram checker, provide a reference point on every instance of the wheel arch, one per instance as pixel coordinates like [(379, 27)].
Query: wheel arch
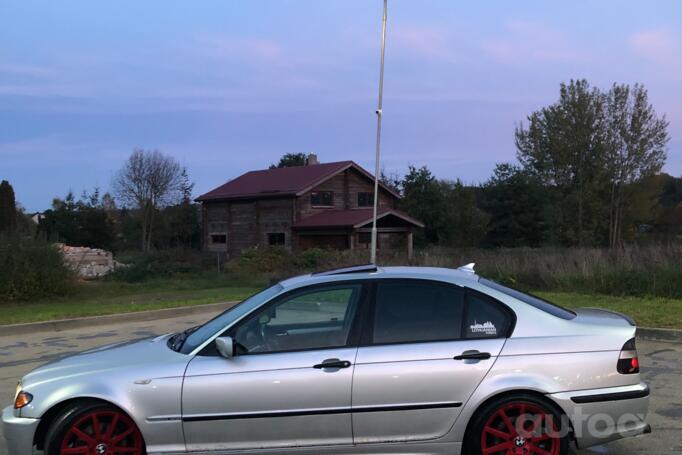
[(510, 393), (55, 411)]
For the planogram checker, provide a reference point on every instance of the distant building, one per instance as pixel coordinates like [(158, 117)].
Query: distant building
[(37, 217), (325, 205)]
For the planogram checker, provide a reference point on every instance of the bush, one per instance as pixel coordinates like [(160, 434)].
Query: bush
[(139, 267), (631, 271), (32, 269)]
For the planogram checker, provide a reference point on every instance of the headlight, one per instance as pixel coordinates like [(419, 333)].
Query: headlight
[(21, 398)]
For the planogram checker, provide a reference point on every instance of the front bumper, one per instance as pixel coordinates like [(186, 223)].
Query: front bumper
[(602, 415), (18, 432)]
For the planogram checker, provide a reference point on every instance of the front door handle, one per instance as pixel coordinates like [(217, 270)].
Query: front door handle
[(473, 355), (333, 363)]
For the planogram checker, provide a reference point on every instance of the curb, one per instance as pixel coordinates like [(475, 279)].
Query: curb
[(669, 335), (94, 321)]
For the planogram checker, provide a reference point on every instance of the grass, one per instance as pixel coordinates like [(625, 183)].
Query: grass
[(109, 297), (646, 311)]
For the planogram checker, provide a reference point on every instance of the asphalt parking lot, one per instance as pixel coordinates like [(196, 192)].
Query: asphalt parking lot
[(661, 364)]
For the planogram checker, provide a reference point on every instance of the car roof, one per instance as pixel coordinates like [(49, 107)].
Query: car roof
[(457, 276)]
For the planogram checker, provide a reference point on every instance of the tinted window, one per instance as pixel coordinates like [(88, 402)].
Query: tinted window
[(311, 319), (365, 199), (485, 318), (413, 311), (537, 302), (322, 198)]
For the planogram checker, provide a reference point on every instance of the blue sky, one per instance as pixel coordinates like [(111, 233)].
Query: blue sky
[(229, 86)]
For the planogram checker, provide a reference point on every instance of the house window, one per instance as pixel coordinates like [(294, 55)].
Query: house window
[(218, 239), (365, 199), (276, 238), (365, 238), (322, 199)]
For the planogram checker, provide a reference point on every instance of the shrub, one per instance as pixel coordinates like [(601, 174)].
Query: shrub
[(32, 269), (137, 267)]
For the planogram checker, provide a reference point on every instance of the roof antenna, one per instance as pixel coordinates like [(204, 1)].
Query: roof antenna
[(379, 113)]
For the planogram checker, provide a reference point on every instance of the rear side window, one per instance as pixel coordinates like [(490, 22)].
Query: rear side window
[(485, 318), (534, 301), (417, 311)]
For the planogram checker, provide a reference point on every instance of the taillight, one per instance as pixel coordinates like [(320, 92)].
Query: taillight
[(628, 362)]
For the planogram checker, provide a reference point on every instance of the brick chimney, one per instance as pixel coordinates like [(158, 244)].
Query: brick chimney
[(311, 160)]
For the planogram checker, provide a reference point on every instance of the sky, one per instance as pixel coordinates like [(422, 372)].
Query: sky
[(229, 86)]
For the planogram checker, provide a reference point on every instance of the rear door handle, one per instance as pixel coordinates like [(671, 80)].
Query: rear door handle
[(473, 355), (333, 363)]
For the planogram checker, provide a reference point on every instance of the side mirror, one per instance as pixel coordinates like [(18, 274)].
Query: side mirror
[(225, 346)]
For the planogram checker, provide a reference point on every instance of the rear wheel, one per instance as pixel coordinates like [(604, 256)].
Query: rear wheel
[(518, 425), (93, 429)]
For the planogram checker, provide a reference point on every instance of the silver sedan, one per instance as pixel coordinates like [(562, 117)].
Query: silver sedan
[(360, 360)]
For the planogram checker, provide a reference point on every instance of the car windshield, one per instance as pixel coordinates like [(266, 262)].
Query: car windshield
[(187, 341), (534, 301)]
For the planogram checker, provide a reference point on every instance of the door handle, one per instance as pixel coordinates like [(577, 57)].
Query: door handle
[(333, 363), (473, 355)]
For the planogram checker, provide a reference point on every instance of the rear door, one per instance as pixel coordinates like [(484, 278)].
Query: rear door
[(426, 347)]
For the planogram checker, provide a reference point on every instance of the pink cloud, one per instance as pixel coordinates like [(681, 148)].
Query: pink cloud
[(427, 42), (659, 45), (525, 41)]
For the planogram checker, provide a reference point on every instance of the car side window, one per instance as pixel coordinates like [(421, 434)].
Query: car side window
[(409, 311), (316, 318), (485, 318)]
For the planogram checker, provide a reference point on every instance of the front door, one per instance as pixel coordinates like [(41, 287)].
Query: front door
[(289, 384), (428, 347)]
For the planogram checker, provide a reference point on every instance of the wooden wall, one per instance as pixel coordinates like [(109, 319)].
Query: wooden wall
[(346, 187)]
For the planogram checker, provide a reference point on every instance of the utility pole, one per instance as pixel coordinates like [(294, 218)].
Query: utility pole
[(379, 113)]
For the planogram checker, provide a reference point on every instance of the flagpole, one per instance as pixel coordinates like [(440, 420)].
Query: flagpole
[(379, 113)]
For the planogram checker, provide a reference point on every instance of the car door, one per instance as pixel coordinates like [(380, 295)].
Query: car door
[(289, 383), (426, 347)]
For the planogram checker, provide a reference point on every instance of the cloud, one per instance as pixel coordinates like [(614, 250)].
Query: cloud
[(529, 42), (426, 42), (661, 46), (257, 50)]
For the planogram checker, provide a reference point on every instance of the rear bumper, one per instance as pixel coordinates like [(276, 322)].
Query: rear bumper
[(18, 432), (603, 415)]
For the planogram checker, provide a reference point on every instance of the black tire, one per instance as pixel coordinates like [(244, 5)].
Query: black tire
[(482, 419), (76, 412)]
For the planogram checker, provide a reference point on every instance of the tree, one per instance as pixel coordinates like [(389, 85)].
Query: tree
[(291, 160), (564, 144), (448, 209), (149, 180), (8, 208), (423, 199), (518, 206), (83, 222), (636, 149)]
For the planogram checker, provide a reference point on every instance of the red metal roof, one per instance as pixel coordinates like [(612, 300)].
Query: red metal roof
[(287, 181), (350, 218)]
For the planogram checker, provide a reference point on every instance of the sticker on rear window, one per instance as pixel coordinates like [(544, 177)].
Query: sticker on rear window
[(487, 328)]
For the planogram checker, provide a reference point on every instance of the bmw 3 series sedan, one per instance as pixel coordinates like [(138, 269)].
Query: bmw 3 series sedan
[(363, 360)]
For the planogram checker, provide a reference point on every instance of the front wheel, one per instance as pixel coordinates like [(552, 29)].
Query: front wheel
[(93, 429), (518, 425)]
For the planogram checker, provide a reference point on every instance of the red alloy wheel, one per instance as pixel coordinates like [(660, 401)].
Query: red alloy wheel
[(102, 433), (520, 428)]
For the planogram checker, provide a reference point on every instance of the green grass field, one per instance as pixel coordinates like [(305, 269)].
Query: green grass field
[(646, 311), (109, 297)]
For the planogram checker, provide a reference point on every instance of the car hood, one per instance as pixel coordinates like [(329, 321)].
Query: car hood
[(151, 355)]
